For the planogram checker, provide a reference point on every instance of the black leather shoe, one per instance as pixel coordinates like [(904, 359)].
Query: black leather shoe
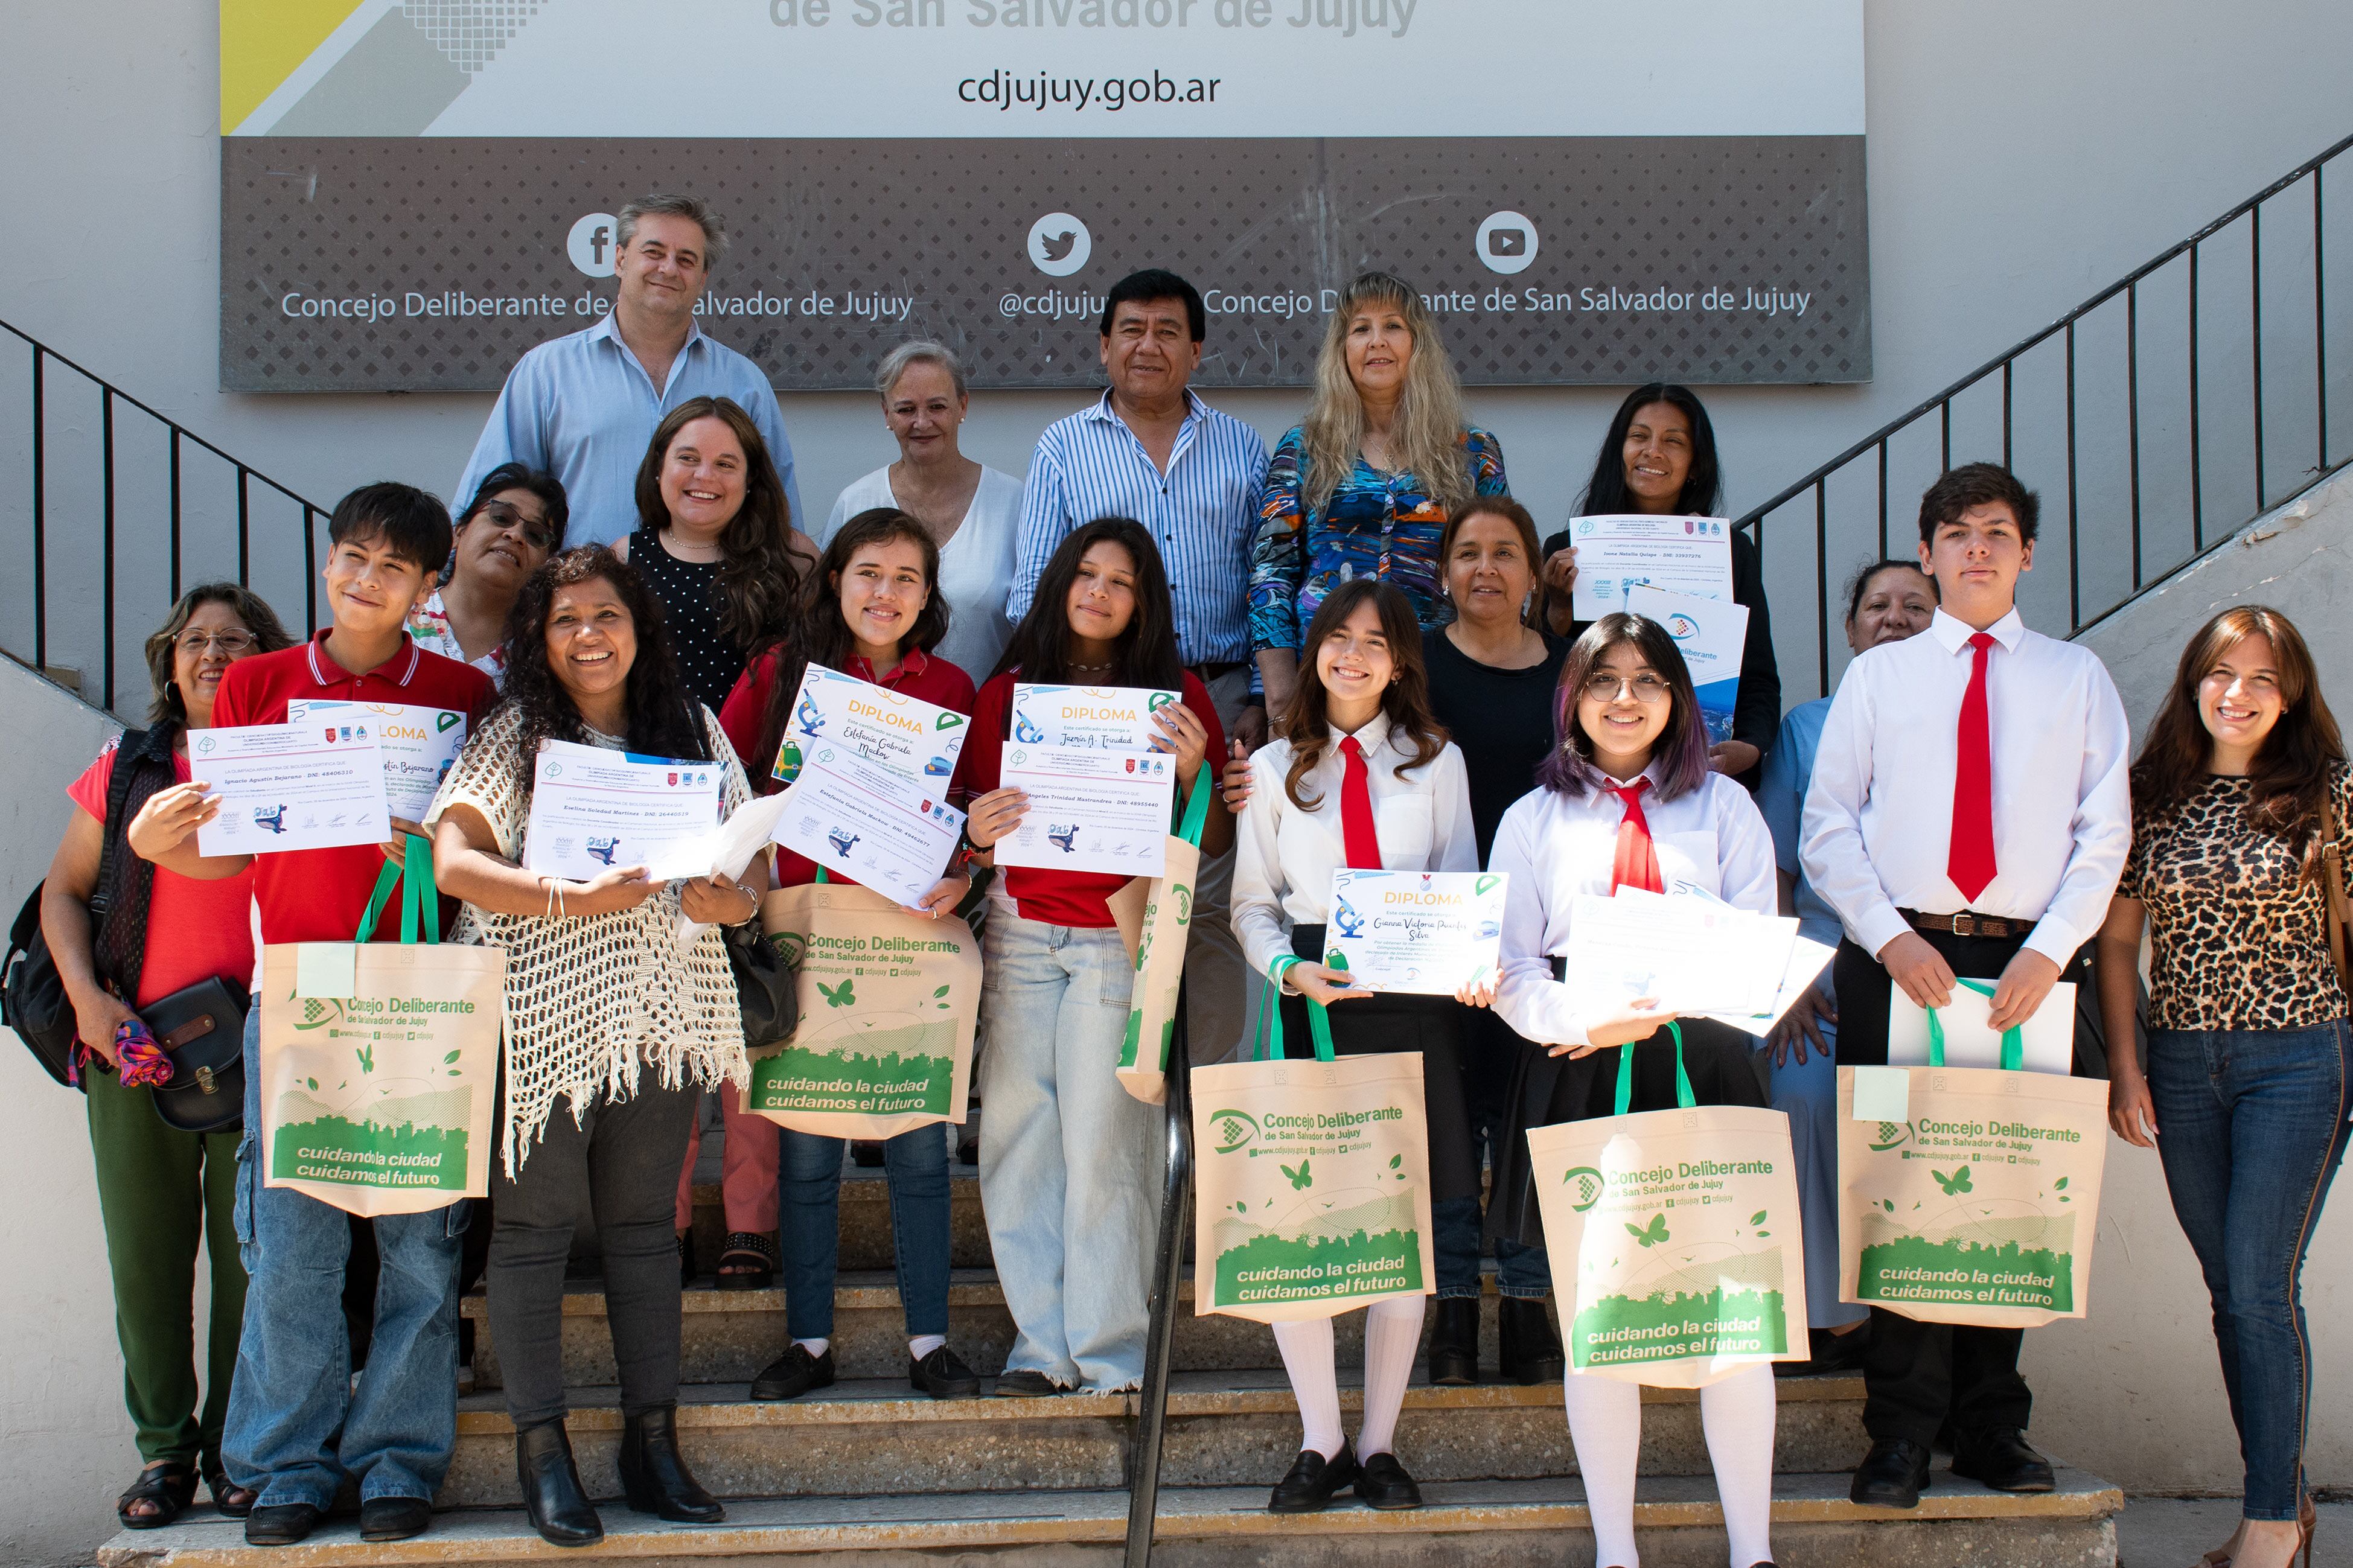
[(2002, 1458), (393, 1517), (1528, 1347), (1830, 1353), (1312, 1481), (553, 1498), (282, 1524), (1025, 1382), (794, 1373), (1454, 1343), (1381, 1482), (654, 1477), (943, 1375), (1893, 1475)]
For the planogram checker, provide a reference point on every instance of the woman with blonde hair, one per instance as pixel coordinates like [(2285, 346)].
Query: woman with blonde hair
[(1363, 485)]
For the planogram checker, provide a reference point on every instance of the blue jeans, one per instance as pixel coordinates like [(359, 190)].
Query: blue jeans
[(296, 1424), (1807, 1095), (1071, 1163), (808, 1183), (2251, 1126), (1521, 1271)]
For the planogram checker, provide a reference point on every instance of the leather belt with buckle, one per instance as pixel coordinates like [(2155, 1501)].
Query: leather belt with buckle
[(1966, 923)]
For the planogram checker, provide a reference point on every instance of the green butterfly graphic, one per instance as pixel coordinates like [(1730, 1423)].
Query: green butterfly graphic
[(1954, 1185), (1300, 1179), (837, 996), (366, 1055), (1652, 1235)]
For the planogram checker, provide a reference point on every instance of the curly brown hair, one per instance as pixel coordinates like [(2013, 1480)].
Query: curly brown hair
[(663, 721)]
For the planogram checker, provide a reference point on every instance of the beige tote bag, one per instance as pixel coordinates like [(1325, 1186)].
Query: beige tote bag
[(1155, 916)]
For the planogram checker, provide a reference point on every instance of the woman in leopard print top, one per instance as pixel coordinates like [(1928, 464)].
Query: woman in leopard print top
[(2245, 1092)]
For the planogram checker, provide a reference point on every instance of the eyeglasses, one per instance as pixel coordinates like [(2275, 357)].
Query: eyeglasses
[(535, 530), (232, 643), (1646, 687)]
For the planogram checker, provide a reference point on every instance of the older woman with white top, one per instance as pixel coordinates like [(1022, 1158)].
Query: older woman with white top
[(972, 511)]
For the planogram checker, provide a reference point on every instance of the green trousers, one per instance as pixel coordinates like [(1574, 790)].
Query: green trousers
[(161, 1192)]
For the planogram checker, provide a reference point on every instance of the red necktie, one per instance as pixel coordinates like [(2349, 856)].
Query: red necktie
[(1356, 833), (1970, 861), (1636, 864)]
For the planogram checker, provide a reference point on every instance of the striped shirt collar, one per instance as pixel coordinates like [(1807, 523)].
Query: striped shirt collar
[(325, 672), (1103, 412)]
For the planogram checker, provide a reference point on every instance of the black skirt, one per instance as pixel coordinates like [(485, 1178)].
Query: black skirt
[(1376, 1025)]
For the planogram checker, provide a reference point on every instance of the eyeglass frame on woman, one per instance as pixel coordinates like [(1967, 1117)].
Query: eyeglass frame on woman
[(503, 516), (1630, 683), (199, 643)]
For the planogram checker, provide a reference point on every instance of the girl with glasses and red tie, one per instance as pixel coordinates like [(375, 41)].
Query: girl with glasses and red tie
[(1626, 800), (1360, 775)]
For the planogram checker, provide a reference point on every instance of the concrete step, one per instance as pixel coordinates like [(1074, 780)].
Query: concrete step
[(875, 1437), (1464, 1524), (865, 1221), (729, 1335)]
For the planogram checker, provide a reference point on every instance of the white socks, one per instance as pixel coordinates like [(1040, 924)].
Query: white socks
[(1392, 1335), (922, 1345), (814, 1347), (1737, 1412)]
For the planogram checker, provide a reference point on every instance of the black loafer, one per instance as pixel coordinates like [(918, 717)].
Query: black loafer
[(393, 1517), (2000, 1458), (1312, 1481), (1381, 1482), (283, 1524), (1454, 1343), (1526, 1343), (794, 1373), (943, 1375), (1893, 1475), (1025, 1382)]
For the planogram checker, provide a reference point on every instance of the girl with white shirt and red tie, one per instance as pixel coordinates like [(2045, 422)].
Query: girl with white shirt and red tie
[(1626, 800), (1360, 775)]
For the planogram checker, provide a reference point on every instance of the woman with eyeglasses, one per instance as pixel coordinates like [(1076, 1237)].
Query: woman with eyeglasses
[(159, 1190), (513, 524)]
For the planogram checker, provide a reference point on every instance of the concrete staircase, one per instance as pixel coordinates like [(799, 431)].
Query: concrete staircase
[(863, 1474)]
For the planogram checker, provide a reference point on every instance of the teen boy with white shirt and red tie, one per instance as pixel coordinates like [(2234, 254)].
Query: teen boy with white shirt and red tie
[(1969, 815)]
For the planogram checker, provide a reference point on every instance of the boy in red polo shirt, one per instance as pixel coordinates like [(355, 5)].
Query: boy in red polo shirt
[(296, 1427)]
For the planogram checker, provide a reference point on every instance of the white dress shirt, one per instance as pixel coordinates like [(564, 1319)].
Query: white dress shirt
[(975, 565), (1285, 857), (1878, 826), (1554, 847)]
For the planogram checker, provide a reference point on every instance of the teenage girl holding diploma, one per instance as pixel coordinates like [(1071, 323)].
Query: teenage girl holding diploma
[(1626, 800), (1360, 775)]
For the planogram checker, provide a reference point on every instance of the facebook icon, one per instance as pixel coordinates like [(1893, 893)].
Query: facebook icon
[(590, 244)]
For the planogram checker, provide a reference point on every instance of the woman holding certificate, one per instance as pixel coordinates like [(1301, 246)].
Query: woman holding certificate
[(611, 1030), (1070, 1162), (872, 612), (1628, 802), (1361, 776)]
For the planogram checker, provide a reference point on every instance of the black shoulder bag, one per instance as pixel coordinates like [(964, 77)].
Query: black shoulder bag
[(764, 989)]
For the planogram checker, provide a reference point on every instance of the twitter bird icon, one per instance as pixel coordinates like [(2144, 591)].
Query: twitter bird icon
[(1060, 245)]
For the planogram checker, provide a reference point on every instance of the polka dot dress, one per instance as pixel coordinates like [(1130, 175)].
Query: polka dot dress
[(689, 593)]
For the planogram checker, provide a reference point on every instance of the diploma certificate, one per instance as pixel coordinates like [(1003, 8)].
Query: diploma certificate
[(291, 786), (592, 810), (2047, 1039), (914, 739), (858, 817), (1682, 554), (1694, 955), (1711, 633), (1088, 718), (419, 745), (1430, 933), (1089, 810)]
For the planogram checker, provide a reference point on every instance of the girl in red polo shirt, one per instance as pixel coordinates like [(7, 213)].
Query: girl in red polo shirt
[(1069, 1163)]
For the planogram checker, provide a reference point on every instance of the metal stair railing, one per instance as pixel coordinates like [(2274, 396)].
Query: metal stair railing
[(1168, 1278)]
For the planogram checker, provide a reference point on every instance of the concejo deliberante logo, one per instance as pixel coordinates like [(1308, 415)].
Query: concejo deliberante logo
[(1060, 245), (594, 241), (1235, 1128)]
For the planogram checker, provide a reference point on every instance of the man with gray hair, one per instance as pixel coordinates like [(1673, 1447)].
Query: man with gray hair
[(584, 406)]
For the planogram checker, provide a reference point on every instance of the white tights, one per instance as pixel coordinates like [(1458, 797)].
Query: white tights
[(1605, 1420), (1392, 1333)]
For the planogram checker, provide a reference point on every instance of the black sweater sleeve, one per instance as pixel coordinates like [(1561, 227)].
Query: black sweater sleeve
[(1757, 712)]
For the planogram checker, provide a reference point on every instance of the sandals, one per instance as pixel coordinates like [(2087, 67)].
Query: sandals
[(752, 1258), (170, 1485), (229, 1499)]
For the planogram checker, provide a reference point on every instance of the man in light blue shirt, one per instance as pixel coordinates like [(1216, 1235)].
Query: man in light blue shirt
[(584, 406)]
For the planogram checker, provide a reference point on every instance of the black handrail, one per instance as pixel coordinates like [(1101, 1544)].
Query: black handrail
[(2130, 507), (178, 435), (1168, 1279)]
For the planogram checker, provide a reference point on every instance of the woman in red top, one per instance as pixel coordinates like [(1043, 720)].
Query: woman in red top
[(161, 1191), (1070, 1167)]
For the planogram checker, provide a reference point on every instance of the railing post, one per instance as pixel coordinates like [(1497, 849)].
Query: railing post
[(2074, 564), (2197, 472), (106, 471), (1822, 582), (2256, 333), (2132, 415), (176, 513), (40, 521), (1168, 1278), (2319, 321)]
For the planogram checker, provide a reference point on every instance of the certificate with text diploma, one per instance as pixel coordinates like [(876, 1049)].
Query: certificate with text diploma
[(1430, 933), (290, 787), (592, 809), (859, 819), (1682, 554), (420, 744), (916, 740), (1088, 718), (1089, 810)]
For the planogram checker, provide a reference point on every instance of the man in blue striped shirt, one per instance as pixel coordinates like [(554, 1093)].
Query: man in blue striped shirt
[(1151, 449), (584, 406)]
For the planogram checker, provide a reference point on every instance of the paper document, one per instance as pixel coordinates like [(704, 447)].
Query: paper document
[(592, 810), (419, 745), (1711, 635), (1691, 955), (1089, 810), (1088, 718), (291, 786), (1806, 959), (2047, 1039), (1682, 554), (860, 819), (1429, 932), (738, 838), (916, 740)]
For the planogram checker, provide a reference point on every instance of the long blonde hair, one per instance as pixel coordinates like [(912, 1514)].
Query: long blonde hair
[(1427, 439)]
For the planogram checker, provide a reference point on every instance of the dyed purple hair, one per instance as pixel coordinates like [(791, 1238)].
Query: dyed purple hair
[(1682, 748)]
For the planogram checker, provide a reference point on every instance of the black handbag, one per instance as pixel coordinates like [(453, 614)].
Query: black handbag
[(768, 991), (201, 1029)]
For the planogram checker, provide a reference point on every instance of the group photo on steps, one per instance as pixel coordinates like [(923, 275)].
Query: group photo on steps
[(647, 858)]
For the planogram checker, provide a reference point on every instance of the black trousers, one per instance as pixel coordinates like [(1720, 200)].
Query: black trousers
[(1917, 1376)]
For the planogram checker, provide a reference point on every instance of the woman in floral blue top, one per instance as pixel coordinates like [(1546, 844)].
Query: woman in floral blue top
[(1363, 485)]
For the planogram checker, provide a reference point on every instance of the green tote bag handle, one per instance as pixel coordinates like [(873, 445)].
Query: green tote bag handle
[(420, 909), (1197, 808), (1683, 1096), (1269, 1019), (2013, 1047)]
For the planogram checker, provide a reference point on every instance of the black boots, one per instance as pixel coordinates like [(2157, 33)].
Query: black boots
[(552, 1496), (1530, 1350), (1454, 1343), (654, 1477)]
